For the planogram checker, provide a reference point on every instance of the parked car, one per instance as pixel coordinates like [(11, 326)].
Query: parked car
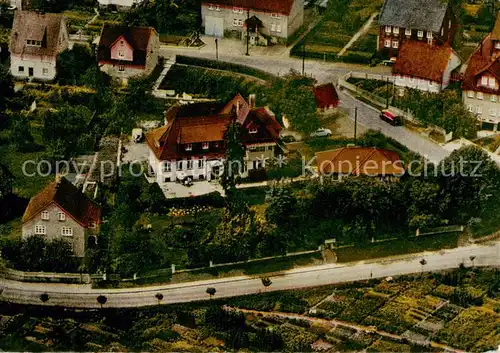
[(391, 117), (137, 135), (322, 132), (389, 62)]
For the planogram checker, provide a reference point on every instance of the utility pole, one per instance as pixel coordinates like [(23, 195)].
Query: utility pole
[(355, 125), (248, 31), (387, 94), (217, 49), (304, 59)]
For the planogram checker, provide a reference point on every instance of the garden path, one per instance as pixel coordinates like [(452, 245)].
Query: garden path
[(360, 33)]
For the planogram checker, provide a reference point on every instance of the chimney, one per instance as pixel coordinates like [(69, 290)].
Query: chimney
[(251, 101)]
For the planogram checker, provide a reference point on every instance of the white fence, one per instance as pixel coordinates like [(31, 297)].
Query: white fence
[(49, 277)]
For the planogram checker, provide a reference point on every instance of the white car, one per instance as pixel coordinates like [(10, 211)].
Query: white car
[(322, 132)]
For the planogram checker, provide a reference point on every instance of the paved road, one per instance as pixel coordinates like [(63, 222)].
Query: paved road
[(82, 296), (330, 72)]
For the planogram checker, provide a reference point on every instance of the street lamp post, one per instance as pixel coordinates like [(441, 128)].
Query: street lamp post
[(217, 49)]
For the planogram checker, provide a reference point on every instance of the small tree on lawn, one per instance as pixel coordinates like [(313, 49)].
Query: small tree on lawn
[(423, 262), (266, 282), (44, 297), (102, 300), (159, 297), (211, 292)]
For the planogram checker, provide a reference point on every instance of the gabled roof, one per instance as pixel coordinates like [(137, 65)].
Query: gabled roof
[(279, 6), (137, 37), (326, 96), (414, 14), (36, 26), (185, 126), (421, 60), (359, 161), (67, 197)]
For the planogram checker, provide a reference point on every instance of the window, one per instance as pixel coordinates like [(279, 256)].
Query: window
[(190, 164), (66, 231), (429, 34), (189, 147), (479, 110), (275, 15), (237, 22), (62, 216), (480, 95), (408, 31), (387, 29), (179, 165), (201, 163), (273, 27), (420, 34), (45, 72), (40, 230), (484, 80), (395, 44), (442, 31), (493, 98), (211, 7), (470, 94), (470, 108), (491, 82), (492, 112), (21, 69), (205, 145), (387, 43), (167, 167), (45, 215), (253, 130), (121, 68), (237, 9), (278, 28), (497, 45), (121, 53), (395, 30), (217, 8)]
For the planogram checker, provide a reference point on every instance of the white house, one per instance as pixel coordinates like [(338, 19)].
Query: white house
[(424, 66), (35, 42)]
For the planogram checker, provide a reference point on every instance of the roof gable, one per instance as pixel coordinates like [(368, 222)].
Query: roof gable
[(414, 14), (29, 25), (68, 198)]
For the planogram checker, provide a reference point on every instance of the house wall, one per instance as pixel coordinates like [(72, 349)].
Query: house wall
[(122, 47), (53, 226), (287, 24), (39, 64), (421, 84), (485, 106), (453, 63), (153, 53)]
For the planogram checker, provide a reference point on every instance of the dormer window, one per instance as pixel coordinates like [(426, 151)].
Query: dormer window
[(387, 29), (189, 147), (408, 31), (429, 35), (491, 82), (395, 30), (205, 145), (45, 215), (420, 34), (497, 45), (484, 81), (36, 43), (253, 130)]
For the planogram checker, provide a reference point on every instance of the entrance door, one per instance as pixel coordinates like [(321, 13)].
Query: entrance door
[(214, 26), (30, 71)]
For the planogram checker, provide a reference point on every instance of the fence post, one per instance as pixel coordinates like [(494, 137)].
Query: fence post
[(173, 268), (417, 233)]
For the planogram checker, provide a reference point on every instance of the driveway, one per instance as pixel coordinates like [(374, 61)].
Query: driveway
[(177, 190)]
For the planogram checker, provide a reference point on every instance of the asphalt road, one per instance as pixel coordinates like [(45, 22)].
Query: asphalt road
[(330, 72), (82, 296)]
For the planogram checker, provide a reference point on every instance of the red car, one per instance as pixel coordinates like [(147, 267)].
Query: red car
[(390, 117)]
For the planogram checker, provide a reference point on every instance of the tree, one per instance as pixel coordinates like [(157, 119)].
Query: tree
[(44, 297), (266, 282), (6, 92), (59, 257), (159, 297), (211, 292), (62, 131), (20, 134), (6, 181), (138, 97), (101, 299), (72, 64), (234, 159), (423, 262), (281, 207)]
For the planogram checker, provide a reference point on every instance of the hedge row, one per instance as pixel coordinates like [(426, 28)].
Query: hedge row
[(223, 65)]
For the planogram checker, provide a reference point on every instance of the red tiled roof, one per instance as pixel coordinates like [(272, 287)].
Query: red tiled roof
[(182, 129), (359, 161), (481, 61), (137, 37), (326, 96), (67, 197), (36, 26), (279, 6), (421, 60)]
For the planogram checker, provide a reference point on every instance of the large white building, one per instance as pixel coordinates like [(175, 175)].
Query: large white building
[(35, 42)]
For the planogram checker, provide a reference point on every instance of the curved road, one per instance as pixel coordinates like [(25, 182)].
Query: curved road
[(83, 296)]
